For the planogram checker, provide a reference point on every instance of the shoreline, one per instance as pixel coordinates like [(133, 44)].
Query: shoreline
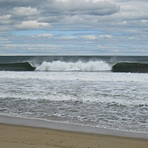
[(19, 132), (68, 127)]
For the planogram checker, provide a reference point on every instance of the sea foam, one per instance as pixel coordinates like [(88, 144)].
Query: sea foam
[(74, 66)]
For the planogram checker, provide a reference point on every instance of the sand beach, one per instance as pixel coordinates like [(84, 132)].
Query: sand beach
[(12, 136), (33, 133)]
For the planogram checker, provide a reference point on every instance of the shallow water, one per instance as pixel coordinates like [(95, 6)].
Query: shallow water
[(100, 99)]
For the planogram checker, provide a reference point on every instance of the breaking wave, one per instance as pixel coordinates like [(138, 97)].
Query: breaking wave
[(74, 66), (64, 66)]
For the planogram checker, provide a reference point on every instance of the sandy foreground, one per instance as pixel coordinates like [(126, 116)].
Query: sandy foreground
[(12, 136)]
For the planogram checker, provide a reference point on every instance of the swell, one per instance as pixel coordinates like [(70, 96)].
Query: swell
[(130, 67), (22, 66)]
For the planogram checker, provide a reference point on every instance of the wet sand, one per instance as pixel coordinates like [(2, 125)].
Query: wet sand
[(13, 136)]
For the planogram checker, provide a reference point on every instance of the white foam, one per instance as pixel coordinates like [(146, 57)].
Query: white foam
[(74, 66), (25, 94), (85, 86), (81, 76)]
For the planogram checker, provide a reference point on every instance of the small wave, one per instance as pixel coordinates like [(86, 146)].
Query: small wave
[(130, 67), (22, 66), (74, 66)]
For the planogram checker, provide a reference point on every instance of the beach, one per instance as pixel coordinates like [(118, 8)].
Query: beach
[(12, 136)]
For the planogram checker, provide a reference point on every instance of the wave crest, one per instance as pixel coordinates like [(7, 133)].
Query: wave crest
[(74, 66)]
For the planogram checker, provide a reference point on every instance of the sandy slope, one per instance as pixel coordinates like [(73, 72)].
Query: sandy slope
[(27, 137)]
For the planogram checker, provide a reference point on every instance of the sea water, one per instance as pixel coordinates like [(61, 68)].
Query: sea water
[(81, 90)]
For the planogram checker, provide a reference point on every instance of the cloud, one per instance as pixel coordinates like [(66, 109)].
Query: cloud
[(9, 4), (73, 25), (32, 25), (94, 37), (44, 35), (89, 37), (5, 19), (105, 36), (81, 7), (25, 11)]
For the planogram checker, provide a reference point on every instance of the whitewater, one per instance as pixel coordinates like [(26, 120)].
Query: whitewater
[(84, 92), (74, 66)]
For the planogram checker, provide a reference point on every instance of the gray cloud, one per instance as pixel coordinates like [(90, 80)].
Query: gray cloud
[(25, 11), (114, 12), (52, 10), (23, 3), (119, 22), (84, 7)]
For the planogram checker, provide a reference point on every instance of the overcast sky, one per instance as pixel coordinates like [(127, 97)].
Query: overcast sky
[(79, 27)]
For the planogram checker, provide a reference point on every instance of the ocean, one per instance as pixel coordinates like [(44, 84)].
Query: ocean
[(83, 90)]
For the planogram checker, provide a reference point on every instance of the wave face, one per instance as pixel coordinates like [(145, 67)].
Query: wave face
[(130, 67), (22, 66), (74, 66)]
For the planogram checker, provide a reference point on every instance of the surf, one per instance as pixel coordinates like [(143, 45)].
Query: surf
[(90, 66)]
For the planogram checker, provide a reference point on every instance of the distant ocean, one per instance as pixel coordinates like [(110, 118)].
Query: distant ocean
[(84, 90)]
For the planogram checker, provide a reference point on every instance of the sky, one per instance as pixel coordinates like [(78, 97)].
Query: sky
[(74, 27)]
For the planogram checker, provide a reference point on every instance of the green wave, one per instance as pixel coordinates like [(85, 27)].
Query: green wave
[(22, 66), (130, 67)]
